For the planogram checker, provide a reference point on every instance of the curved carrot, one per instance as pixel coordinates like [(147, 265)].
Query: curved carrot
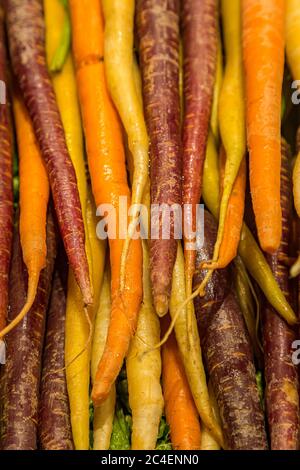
[(118, 55), (6, 184), (106, 159), (34, 196), (263, 50), (180, 409), (26, 39)]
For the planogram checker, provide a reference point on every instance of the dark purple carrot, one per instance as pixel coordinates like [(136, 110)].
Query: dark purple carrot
[(6, 192), (228, 354), (54, 429), (158, 34), (20, 382), (199, 23), (26, 33), (281, 376)]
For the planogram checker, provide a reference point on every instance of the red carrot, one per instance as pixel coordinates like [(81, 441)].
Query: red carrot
[(26, 39), (54, 428), (21, 374), (281, 375), (158, 33), (200, 60), (228, 354), (6, 193)]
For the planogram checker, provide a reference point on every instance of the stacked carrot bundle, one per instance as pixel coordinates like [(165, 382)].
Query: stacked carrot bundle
[(184, 340)]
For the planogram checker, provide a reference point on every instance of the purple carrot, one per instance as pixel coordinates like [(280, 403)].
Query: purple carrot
[(158, 35), (199, 24), (228, 354), (54, 412), (20, 382), (281, 376), (6, 192), (26, 33)]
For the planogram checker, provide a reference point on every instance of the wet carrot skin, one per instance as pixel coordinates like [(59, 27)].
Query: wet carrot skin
[(26, 34), (158, 35), (20, 397), (6, 191), (282, 385), (228, 355)]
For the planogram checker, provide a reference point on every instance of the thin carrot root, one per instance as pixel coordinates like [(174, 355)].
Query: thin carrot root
[(32, 289)]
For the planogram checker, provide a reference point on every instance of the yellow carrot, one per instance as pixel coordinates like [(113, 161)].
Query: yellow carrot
[(77, 326), (207, 440), (144, 371), (189, 346), (103, 414), (214, 119)]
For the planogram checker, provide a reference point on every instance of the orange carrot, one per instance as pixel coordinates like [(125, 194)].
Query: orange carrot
[(181, 412), (106, 159), (263, 51), (234, 216), (34, 196)]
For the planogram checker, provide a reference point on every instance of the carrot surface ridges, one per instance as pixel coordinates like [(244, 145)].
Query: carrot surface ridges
[(24, 351), (281, 376), (26, 39), (6, 185), (199, 23), (106, 160), (54, 428), (263, 51), (158, 35), (228, 354)]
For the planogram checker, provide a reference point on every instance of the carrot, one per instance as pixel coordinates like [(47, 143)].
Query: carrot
[(103, 414), (34, 196), (6, 183), (118, 58), (232, 129), (144, 371), (233, 219), (214, 118), (264, 63), (26, 39), (109, 182), (54, 427), (293, 57), (228, 354), (199, 22), (180, 409), (158, 35), (281, 375), (207, 440), (189, 346), (78, 332), (20, 396), (249, 251)]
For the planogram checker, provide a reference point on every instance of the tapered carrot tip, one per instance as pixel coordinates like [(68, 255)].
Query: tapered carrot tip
[(99, 393), (161, 305)]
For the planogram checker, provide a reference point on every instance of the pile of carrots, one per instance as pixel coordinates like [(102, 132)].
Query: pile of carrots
[(157, 343)]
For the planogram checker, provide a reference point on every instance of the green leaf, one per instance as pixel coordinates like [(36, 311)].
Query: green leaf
[(120, 438)]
